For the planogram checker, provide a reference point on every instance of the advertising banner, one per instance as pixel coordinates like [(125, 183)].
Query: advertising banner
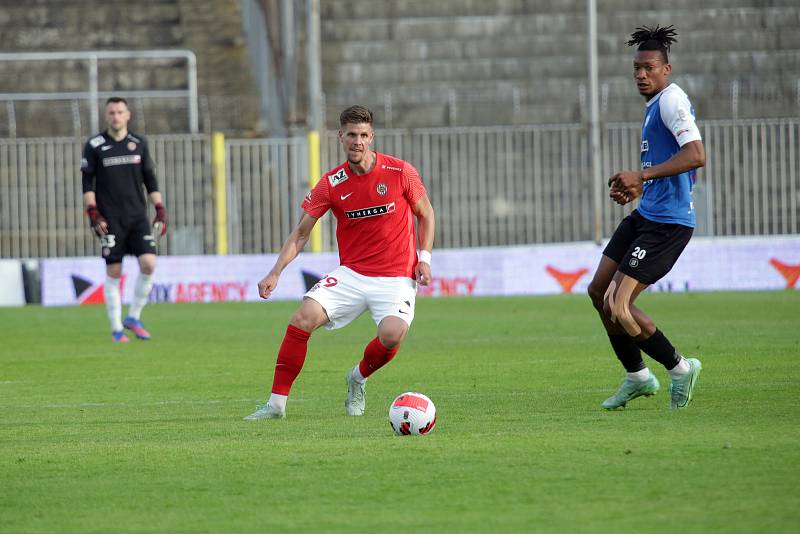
[(707, 264), (12, 289)]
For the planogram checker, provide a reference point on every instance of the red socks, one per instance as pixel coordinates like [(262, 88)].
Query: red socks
[(291, 356), (375, 357)]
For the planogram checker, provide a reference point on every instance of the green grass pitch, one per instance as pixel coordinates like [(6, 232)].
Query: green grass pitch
[(149, 437)]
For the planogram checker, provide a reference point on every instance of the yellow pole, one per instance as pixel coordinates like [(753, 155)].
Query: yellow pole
[(313, 178), (220, 192)]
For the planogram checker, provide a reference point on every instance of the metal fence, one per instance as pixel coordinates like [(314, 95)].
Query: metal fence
[(41, 201), (64, 63), (489, 186)]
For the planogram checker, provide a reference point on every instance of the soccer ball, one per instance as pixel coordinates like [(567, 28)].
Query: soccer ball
[(412, 413)]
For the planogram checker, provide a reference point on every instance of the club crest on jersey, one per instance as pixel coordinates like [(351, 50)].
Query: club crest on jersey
[(382, 188), (339, 177), (131, 146)]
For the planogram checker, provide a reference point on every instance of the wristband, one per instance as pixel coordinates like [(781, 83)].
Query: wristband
[(424, 256)]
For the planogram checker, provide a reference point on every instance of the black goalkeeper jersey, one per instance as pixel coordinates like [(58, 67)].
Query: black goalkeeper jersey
[(115, 171)]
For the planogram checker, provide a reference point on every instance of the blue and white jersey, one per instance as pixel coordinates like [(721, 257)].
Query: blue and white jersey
[(668, 125)]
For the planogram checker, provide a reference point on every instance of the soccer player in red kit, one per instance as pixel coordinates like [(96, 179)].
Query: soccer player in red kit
[(374, 198)]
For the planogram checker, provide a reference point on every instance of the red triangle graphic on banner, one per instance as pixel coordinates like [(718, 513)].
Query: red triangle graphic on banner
[(566, 280), (96, 295)]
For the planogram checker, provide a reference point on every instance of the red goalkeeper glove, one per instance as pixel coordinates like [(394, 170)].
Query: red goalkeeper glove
[(160, 221), (97, 222)]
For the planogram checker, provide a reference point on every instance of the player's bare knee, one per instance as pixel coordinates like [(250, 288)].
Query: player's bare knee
[(390, 339), (114, 270), (625, 318), (303, 321), (596, 294), (147, 264), (648, 329), (608, 299), (392, 334), (606, 307)]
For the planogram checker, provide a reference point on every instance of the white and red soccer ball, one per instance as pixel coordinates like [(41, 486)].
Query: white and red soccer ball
[(412, 414)]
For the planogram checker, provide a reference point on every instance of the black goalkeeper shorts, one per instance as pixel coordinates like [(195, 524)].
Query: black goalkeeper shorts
[(127, 236), (646, 250)]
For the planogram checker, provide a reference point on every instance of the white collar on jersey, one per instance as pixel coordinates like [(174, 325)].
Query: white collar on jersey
[(658, 94)]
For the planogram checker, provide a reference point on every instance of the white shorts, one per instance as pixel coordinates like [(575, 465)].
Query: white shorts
[(345, 294)]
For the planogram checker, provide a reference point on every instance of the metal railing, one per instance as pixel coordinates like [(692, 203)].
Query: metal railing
[(93, 94), (41, 201), (489, 186)]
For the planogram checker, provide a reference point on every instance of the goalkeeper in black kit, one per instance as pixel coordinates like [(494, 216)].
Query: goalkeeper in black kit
[(116, 164)]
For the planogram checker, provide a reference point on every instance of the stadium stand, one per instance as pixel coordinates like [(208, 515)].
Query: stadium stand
[(471, 62), (228, 94), (417, 63)]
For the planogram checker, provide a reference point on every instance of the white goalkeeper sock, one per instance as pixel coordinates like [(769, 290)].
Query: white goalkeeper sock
[(113, 303), (141, 294)]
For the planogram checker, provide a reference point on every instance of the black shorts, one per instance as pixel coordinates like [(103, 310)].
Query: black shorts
[(647, 250), (127, 236)]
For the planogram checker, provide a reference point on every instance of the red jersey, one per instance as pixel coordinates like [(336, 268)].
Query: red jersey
[(374, 221)]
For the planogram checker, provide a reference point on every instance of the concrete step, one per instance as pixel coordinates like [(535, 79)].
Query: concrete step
[(489, 113), (388, 74), (566, 88), (73, 75), (37, 119), (556, 24), (33, 39), (72, 16), (343, 9), (545, 45)]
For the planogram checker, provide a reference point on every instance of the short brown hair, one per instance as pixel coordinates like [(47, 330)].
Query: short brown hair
[(355, 115)]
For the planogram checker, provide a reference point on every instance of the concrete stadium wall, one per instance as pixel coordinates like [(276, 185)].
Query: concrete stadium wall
[(213, 30), (471, 62)]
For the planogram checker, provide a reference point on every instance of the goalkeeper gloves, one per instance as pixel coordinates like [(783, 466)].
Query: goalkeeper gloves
[(96, 220), (160, 221)]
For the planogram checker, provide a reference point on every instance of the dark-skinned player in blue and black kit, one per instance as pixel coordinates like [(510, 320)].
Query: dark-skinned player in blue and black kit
[(648, 242)]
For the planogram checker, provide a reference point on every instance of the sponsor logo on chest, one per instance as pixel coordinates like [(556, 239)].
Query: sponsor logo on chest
[(339, 177), (374, 211), (133, 159)]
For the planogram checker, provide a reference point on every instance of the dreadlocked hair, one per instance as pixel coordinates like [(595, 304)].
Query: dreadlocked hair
[(654, 39)]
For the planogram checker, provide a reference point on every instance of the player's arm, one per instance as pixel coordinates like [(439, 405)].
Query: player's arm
[(677, 115), (426, 226), (97, 222), (627, 185), (692, 155), (151, 185), (160, 220), (291, 248)]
